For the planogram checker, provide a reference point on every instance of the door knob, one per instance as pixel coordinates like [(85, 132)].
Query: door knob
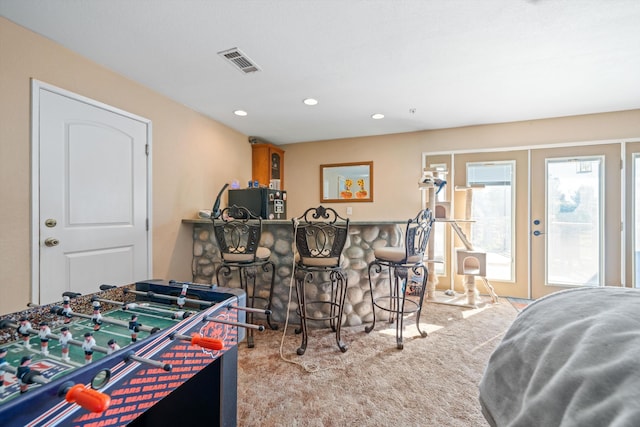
[(51, 241)]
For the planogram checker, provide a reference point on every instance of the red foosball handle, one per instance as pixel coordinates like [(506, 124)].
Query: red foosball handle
[(90, 399), (206, 342)]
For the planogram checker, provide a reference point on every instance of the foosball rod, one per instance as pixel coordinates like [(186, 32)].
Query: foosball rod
[(99, 349), (133, 306), (248, 309), (131, 355), (238, 324), (8, 368), (151, 294), (58, 310), (177, 282)]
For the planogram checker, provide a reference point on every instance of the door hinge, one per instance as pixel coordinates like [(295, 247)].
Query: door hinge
[(146, 149), (147, 223)]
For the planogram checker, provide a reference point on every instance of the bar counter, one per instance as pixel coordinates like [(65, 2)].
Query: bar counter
[(277, 235)]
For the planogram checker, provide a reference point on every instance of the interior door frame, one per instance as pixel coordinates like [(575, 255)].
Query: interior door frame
[(36, 87)]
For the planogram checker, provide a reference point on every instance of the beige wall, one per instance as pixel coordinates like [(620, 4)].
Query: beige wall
[(397, 158), (192, 156)]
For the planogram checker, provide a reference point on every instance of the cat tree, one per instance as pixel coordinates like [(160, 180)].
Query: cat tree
[(470, 262)]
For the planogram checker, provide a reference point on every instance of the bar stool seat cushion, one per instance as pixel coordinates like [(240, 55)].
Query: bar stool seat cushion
[(262, 254), (395, 255), (319, 262)]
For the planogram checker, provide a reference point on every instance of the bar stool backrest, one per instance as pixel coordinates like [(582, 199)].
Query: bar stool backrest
[(238, 234), (417, 236), (320, 237)]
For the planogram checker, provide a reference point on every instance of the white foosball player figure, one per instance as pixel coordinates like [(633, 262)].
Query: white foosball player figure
[(96, 317), (44, 332), (87, 345), (23, 330), (112, 346), (183, 295), (65, 336), (67, 312)]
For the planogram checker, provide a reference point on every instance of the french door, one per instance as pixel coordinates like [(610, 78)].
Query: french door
[(575, 229)]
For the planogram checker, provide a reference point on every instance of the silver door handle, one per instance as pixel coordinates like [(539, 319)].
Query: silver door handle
[(51, 241)]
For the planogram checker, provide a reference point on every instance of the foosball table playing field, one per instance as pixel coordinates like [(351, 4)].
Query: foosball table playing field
[(155, 353)]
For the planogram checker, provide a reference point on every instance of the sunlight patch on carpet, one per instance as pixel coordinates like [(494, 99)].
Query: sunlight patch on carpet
[(468, 313), (411, 330)]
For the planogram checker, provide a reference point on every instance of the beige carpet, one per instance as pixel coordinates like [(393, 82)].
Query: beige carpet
[(432, 382)]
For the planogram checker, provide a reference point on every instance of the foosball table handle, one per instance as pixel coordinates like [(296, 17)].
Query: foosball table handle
[(90, 399), (207, 342)]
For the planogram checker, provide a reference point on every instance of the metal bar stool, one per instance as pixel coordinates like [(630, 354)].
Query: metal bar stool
[(399, 262), (238, 235), (320, 235)]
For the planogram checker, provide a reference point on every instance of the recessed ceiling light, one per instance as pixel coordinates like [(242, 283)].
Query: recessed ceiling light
[(310, 101), (377, 116), (241, 113)]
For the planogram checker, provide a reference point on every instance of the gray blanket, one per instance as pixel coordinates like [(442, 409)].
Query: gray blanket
[(569, 359)]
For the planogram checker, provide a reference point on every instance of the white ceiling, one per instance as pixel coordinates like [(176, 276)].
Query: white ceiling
[(452, 62)]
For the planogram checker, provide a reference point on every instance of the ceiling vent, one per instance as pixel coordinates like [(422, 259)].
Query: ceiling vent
[(239, 60)]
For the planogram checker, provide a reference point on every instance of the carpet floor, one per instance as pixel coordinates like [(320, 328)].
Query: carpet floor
[(433, 381)]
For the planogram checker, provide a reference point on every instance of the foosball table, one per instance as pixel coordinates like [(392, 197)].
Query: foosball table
[(155, 353)]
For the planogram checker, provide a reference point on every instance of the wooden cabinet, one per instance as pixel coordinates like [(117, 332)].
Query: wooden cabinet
[(267, 164)]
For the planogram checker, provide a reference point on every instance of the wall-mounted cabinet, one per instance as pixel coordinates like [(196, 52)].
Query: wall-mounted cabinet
[(267, 164)]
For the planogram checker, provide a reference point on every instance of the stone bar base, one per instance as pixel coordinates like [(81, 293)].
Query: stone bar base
[(278, 237)]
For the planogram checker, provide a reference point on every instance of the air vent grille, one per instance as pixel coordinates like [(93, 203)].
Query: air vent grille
[(239, 60)]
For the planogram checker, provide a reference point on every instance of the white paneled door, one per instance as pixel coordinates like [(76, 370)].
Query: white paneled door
[(92, 196), (575, 218)]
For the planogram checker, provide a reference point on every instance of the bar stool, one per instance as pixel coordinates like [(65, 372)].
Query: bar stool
[(400, 262), (320, 235), (238, 235)]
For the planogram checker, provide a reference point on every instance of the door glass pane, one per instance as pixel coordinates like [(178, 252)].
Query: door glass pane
[(573, 223), (493, 212), (636, 215)]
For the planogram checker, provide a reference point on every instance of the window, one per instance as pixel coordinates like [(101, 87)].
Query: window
[(493, 210)]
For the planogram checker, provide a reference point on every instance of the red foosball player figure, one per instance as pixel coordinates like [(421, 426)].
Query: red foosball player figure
[(96, 317), (134, 327), (23, 330), (87, 346), (3, 361), (66, 309), (113, 346), (44, 338), (65, 336)]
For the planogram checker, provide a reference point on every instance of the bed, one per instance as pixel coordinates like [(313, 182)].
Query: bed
[(569, 359)]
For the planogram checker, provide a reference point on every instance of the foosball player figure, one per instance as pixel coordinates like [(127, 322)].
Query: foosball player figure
[(65, 336), (23, 330), (44, 332), (134, 327), (183, 295), (23, 370), (66, 309), (26, 375), (3, 361), (87, 345), (96, 317), (113, 346)]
